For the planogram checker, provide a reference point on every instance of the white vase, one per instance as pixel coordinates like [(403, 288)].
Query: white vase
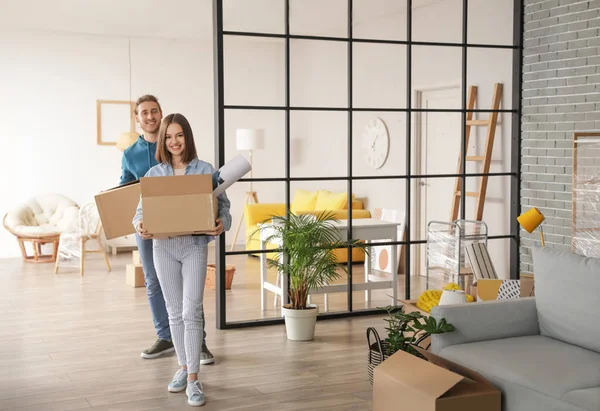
[(300, 324), (450, 297)]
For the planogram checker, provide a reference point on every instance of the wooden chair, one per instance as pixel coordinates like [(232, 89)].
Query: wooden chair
[(74, 243)]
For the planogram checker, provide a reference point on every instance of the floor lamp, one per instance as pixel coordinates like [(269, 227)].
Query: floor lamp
[(248, 139), (532, 219)]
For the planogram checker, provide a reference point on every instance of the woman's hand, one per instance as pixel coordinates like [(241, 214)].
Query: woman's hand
[(218, 229), (142, 231)]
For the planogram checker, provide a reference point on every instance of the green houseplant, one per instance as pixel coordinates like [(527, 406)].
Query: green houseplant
[(308, 242), (404, 332)]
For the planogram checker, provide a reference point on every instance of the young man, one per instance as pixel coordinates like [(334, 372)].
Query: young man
[(137, 160)]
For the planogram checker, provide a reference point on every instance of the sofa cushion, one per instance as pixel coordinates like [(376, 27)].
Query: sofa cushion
[(566, 293), (43, 215), (539, 363), (326, 200), (303, 201)]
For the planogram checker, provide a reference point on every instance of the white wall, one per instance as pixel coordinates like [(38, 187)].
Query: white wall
[(50, 83)]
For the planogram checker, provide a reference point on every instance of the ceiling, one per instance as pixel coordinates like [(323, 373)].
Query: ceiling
[(184, 19)]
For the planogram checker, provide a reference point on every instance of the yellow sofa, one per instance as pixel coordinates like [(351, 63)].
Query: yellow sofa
[(304, 202)]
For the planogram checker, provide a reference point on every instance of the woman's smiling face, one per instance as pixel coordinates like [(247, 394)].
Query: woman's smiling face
[(175, 140)]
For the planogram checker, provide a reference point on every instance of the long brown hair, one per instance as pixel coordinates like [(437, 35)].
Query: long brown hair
[(162, 154)]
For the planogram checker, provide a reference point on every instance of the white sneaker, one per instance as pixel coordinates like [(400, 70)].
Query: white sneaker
[(179, 381), (195, 393)]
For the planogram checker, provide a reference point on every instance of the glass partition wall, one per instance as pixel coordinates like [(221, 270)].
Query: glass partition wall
[(410, 108)]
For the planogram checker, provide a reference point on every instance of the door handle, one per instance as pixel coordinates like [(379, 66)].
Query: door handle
[(423, 183)]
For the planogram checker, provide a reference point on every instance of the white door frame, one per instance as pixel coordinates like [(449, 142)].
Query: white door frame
[(417, 166)]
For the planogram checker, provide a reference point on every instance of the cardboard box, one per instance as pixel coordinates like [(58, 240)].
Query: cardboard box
[(134, 275), (410, 306), (116, 207), (407, 382), (178, 205), (135, 254), (497, 289)]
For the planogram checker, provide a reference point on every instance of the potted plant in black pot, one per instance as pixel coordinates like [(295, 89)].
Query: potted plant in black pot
[(404, 332), (309, 242)]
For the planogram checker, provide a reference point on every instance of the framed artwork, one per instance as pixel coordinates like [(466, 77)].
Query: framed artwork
[(113, 117), (381, 255)]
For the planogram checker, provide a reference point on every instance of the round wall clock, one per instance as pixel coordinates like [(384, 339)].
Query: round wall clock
[(376, 143)]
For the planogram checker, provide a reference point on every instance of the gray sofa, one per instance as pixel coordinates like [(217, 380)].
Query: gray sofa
[(542, 352)]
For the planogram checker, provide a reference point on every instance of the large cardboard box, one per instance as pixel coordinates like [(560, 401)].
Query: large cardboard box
[(407, 382), (498, 289), (178, 205), (116, 207)]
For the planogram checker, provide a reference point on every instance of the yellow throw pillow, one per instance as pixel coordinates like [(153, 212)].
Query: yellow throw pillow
[(303, 201), (327, 200)]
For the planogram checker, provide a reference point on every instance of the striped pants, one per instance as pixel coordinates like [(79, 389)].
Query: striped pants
[(181, 269)]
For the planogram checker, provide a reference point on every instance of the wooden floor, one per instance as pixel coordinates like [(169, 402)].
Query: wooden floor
[(69, 342)]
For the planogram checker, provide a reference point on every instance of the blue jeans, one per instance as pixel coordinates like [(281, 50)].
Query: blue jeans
[(154, 292)]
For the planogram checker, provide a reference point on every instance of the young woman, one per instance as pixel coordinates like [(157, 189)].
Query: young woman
[(181, 261)]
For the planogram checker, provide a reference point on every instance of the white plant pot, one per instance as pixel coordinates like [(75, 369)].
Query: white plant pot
[(300, 324)]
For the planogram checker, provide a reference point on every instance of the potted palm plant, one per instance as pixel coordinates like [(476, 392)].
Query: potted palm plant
[(308, 242)]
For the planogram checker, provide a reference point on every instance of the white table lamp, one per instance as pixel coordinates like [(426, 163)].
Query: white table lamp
[(248, 139)]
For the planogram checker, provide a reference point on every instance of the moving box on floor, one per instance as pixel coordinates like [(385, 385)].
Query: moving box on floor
[(498, 289), (407, 382)]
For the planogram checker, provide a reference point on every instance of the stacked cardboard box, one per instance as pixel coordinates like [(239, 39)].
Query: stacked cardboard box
[(134, 275)]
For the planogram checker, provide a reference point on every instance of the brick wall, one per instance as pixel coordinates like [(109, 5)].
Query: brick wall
[(561, 95)]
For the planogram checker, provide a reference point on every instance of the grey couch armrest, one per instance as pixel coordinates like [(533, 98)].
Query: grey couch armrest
[(486, 320)]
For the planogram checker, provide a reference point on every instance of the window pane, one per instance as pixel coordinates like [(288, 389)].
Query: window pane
[(319, 17), (437, 68), (319, 141), (244, 298), (379, 19), (379, 75), (254, 71), (381, 200), (318, 73), (268, 16), (379, 140), (490, 22), (437, 21)]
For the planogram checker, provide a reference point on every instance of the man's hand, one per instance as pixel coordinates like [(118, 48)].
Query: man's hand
[(218, 229), (142, 231)]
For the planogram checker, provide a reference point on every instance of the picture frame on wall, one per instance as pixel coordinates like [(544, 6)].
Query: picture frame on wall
[(113, 117)]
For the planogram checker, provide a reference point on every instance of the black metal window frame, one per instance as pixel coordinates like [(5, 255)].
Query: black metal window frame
[(515, 174)]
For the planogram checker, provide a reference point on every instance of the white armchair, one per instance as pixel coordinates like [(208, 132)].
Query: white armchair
[(39, 221)]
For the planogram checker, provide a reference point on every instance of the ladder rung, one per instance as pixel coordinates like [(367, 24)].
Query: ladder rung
[(478, 122), (468, 194), (475, 158)]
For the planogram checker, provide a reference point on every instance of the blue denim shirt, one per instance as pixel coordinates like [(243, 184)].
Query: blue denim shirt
[(195, 166)]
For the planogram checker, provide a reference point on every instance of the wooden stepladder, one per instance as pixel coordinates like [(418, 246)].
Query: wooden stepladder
[(490, 122)]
